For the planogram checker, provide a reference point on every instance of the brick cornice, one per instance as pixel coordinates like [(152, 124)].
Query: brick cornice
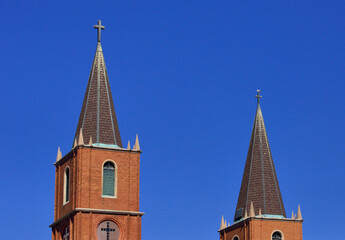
[(67, 156), (93, 210), (240, 223)]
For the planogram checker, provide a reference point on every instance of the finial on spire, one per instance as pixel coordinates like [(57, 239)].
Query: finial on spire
[(299, 214), (258, 96), (99, 28), (251, 211), (136, 146), (59, 155), (75, 143), (81, 138), (222, 223)]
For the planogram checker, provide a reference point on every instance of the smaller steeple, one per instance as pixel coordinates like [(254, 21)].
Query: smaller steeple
[(259, 183), (97, 117)]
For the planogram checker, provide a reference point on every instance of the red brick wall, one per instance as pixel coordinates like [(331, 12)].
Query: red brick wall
[(257, 229), (86, 167)]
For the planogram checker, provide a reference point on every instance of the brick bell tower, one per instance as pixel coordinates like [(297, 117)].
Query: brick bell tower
[(260, 195), (97, 182)]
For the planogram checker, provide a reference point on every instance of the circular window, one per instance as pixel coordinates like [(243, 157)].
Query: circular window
[(108, 230)]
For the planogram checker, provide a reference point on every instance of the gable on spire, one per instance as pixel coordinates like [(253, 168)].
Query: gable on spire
[(259, 183), (97, 116)]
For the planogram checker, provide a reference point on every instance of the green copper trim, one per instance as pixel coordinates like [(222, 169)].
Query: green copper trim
[(105, 145)]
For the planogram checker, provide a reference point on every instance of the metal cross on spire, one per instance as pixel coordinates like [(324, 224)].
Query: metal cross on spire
[(258, 95), (99, 28)]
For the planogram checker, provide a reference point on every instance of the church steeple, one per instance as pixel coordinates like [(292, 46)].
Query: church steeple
[(97, 183), (97, 117), (259, 183)]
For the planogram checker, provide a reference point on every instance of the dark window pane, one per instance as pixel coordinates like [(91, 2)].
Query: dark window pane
[(67, 185), (276, 236), (109, 179)]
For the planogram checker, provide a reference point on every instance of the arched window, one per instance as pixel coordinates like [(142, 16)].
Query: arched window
[(236, 238), (66, 185), (276, 236), (108, 230), (109, 179)]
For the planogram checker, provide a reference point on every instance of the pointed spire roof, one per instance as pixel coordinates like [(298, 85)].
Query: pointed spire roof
[(97, 116), (259, 183)]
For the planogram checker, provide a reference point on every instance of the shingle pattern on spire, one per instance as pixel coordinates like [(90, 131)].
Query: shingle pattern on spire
[(97, 116), (259, 183)]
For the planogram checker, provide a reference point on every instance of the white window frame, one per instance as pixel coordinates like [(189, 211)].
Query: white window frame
[(115, 179), (277, 230), (65, 185)]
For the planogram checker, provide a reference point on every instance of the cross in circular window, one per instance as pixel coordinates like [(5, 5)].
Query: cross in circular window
[(108, 230)]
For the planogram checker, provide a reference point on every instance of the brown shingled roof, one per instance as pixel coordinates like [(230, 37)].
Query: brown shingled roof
[(97, 117), (259, 182)]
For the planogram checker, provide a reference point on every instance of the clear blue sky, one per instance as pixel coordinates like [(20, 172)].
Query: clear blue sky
[(183, 76)]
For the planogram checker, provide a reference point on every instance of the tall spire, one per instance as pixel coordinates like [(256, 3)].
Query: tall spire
[(97, 116), (259, 182)]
